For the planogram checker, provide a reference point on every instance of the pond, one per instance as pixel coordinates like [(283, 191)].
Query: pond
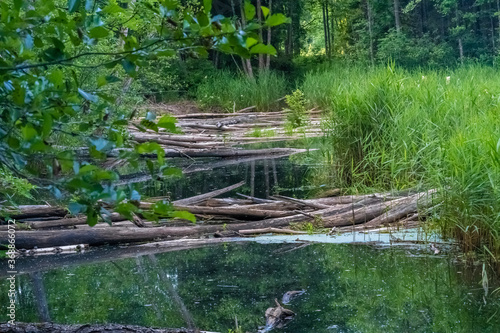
[(348, 288)]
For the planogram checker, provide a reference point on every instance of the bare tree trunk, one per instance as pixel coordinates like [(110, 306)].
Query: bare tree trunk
[(268, 57), (332, 44), (327, 12), (325, 23), (498, 11), (397, 18), (247, 64), (370, 29), (461, 50), (262, 63)]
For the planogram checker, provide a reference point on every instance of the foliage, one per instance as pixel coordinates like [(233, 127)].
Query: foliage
[(296, 114), (393, 129), (57, 62), (13, 187)]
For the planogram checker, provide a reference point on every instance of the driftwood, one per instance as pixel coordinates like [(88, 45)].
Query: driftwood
[(277, 317)]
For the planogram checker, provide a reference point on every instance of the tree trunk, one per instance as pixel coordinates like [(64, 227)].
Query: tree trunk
[(370, 29), (268, 56), (397, 18), (328, 33), (262, 63), (247, 64), (325, 32)]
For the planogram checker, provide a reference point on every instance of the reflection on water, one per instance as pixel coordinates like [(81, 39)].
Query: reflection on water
[(348, 288), (263, 177)]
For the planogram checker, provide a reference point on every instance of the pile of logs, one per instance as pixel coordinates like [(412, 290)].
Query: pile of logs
[(216, 134), (48, 226)]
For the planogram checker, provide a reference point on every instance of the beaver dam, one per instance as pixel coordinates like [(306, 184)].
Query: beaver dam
[(268, 251)]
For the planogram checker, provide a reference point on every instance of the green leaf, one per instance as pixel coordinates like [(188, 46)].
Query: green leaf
[(73, 5), (29, 132), (87, 96), (103, 80), (18, 95), (207, 6), (129, 67), (251, 42), (263, 49), (91, 216), (172, 172), (276, 19), (249, 10), (265, 11), (75, 208), (47, 125), (98, 32), (168, 122), (100, 143), (184, 215), (149, 125), (150, 115)]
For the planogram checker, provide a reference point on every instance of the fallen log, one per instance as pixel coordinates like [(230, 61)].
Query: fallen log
[(30, 211), (114, 217), (303, 202), (202, 197), (401, 210), (271, 230)]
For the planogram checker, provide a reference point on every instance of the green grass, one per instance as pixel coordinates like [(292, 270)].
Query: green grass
[(394, 129), (234, 92)]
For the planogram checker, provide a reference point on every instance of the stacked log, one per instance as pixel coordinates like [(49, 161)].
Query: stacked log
[(221, 216)]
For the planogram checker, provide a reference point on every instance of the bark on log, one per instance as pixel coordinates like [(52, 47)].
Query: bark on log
[(115, 217), (30, 211)]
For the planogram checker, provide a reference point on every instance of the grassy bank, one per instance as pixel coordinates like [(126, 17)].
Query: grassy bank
[(393, 129), (232, 92)]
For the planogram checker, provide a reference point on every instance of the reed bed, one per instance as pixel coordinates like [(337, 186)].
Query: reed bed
[(392, 129)]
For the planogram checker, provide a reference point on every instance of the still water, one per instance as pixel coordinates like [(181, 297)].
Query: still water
[(348, 288)]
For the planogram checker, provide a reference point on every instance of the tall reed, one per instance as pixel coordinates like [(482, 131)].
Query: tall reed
[(394, 129), (234, 92)]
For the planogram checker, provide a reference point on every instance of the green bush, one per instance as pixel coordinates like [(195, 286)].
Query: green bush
[(296, 114)]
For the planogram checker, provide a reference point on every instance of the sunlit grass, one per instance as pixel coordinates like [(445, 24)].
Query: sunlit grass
[(234, 92)]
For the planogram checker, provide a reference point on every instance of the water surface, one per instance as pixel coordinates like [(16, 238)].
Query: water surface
[(349, 288)]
